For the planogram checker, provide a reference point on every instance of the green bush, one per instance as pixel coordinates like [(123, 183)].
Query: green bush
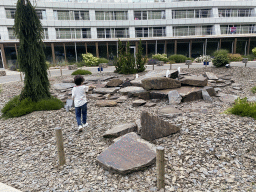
[(81, 72), (220, 60), (160, 57), (178, 58), (234, 57), (17, 108), (250, 57), (102, 60), (220, 52), (253, 90), (90, 60), (244, 108), (254, 51)]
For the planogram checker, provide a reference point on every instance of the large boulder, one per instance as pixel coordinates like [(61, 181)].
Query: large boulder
[(120, 130), (106, 103), (114, 83), (198, 81), (206, 96), (153, 127), (129, 153), (160, 83), (131, 90)]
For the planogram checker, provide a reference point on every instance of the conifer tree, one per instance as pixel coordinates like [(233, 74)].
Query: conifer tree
[(140, 61), (31, 57)]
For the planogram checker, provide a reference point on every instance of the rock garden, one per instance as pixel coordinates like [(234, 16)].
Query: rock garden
[(180, 110)]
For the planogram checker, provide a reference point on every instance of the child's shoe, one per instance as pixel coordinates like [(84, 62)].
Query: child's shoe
[(80, 128), (85, 125)]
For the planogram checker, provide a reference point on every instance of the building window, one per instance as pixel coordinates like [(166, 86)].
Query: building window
[(235, 12), (112, 33), (192, 30), (12, 35), (238, 29), (145, 15), (150, 32), (10, 13), (71, 15), (73, 33), (194, 13), (45, 35), (41, 14), (111, 15)]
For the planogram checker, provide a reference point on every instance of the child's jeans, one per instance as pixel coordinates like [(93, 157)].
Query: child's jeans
[(78, 110)]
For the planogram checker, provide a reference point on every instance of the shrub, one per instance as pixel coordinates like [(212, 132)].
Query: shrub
[(250, 57), (81, 72), (203, 58), (244, 108), (253, 90), (90, 60), (13, 68), (102, 60), (140, 61), (220, 60), (178, 58), (254, 51), (235, 57), (160, 57), (220, 52), (171, 62), (16, 107)]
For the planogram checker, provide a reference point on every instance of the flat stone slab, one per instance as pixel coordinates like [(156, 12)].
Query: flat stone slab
[(114, 83), (156, 73), (206, 96), (149, 104), (122, 99), (70, 80), (227, 98), (153, 127), (211, 76), (198, 81), (6, 188), (160, 83), (131, 90), (120, 130), (138, 103), (174, 97), (105, 90), (129, 153), (60, 86), (99, 78), (169, 112), (106, 103), (96, 96)]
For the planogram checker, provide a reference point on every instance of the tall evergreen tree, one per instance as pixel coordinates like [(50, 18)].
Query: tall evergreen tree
[(140, 61), (31, 57)]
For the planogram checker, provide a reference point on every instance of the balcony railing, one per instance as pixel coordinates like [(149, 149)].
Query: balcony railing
[(191, 32), (238, 30), (116, 34), (72, 35)]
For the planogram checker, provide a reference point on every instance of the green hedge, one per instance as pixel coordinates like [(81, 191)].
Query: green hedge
[(81, 72), (178, 58), (17, 108)]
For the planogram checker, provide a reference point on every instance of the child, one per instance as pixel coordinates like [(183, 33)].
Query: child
[(80, 101)]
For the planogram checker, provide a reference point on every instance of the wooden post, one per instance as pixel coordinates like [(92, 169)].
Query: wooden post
[(97, 49), (3, 56), (165, 47), (146, 48), (160, 167), (65, 54), (248, 48), (220, 44), (107, 52), (85, 47), (175, 47), (60, 146), (235, 46), (53, 54)]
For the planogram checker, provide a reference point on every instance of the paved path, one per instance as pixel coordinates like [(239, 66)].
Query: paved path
[(13, 76), (6, 188)]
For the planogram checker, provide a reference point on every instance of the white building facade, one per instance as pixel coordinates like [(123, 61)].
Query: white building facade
[(191, 28)]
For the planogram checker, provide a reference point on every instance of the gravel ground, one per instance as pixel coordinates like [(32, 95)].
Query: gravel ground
[(213, 151)]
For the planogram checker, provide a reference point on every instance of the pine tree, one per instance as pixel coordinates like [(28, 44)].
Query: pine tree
[(31, 57), (119, 59), (140, 61)]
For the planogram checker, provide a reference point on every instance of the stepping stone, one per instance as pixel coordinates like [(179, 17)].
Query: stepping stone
[(60, 86), (174, 97), (198, 81), (106, 103), (120, 130), (153, 127), (211, 76), (105, 90), (206, 96), (149, 104), (129, 153), (131, 90), (169, 112), (114, 83), (138, 103), (114, 97), (122, 99), (96, 96), (160, 83), (227, 98)]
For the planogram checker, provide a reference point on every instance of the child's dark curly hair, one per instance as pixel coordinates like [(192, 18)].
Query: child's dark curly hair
[(78, 80)]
